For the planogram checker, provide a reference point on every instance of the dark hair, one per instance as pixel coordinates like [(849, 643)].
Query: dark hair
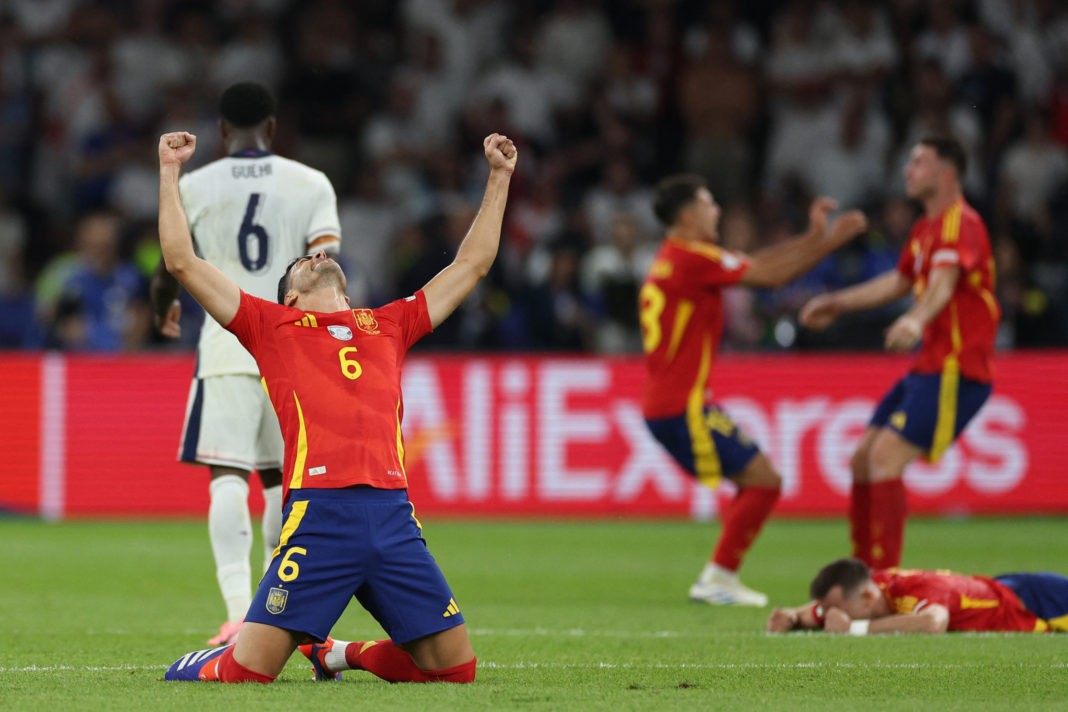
[(283, 282), (246, 104), (673, 194), (847, 573), (948, 149)]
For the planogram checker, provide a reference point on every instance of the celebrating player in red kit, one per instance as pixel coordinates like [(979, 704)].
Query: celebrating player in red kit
[(333, 375), (947, 262), (681, 315)]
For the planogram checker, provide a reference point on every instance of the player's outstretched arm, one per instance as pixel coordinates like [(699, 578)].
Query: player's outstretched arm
[(219, 296), (821, 311), (776, 265), (166, 309), (479, 248), (908, 328), (934, 618)]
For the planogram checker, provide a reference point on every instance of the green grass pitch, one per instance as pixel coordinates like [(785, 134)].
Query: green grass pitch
[(563, 616)]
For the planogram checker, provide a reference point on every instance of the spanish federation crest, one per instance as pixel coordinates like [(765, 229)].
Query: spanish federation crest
[(341, 333), (276, 600), (365, 320)]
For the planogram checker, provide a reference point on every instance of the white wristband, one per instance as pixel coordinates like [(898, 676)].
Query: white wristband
[(859, 627)]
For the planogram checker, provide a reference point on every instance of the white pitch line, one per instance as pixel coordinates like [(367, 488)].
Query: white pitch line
[(756, 666), (614, 666), (81, 668), (580, 633)]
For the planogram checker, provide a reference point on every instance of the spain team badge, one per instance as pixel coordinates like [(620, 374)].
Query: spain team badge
[(276, 600), (365, 321)]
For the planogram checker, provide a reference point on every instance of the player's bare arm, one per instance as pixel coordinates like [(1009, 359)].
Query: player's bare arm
[(776, 265), (166, 309), (822, 310), (479, 248), (933, 618), (219, 296), (907, 329), (783, 620)]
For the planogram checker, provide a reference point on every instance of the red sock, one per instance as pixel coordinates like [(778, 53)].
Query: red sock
[(393, 664), (888, 512), (742, 521), (229, 670), (860, 521)]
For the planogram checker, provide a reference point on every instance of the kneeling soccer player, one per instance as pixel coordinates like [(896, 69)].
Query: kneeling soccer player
[(333, 375)]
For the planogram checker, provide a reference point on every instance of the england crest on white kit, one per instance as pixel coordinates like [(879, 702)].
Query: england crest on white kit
[(341, 333)]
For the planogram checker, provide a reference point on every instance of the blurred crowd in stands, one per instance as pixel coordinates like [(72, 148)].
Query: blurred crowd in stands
[(772, 102)]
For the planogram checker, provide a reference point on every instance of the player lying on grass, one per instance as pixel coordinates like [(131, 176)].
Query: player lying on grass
[(333, 375), (849, 597)]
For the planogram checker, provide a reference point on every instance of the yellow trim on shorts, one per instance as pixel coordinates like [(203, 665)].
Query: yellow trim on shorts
[(296, 515), (1058, 624), (945, 426), (706, 462)]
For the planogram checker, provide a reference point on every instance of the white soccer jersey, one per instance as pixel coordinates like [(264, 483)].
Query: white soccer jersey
[(250, 215)]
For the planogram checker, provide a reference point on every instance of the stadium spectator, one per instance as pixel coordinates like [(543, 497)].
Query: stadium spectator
[(618, 193), (681, 316), (251, 212), (369, 220), (530, 97), (101, 303), (851, 163), (938, 114), (252, 53), (719, 101), (948, 263), (612, 274), (945, 40), (851, 598), (573, 42), (16, 298), (1034, 169), (400, 148), (353, 492), (553, 313)]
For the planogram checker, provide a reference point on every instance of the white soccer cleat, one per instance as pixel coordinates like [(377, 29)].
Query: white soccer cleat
[(722, 588)]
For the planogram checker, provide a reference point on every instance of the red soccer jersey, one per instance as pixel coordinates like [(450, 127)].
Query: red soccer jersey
[(335, 383), (681, 313), (973, 602), (962, 335)]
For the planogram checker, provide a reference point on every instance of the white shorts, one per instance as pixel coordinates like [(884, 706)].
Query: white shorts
[(229, 421)]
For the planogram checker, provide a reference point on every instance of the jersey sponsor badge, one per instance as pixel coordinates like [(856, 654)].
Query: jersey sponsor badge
[(341, 333), (276, 600), (365, 321)]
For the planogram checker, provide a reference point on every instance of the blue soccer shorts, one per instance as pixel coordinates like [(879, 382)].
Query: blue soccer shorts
[(359, 542), (707, 444), (1044, 594), (930, 410)]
